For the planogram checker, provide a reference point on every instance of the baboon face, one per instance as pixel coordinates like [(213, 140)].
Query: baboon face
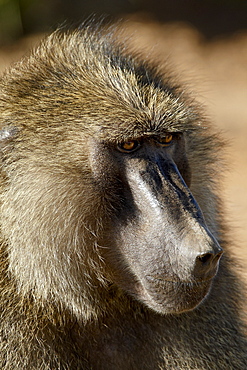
[(159, 248), (97, 180)]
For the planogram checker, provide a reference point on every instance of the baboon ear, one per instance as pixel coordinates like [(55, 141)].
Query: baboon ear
[(7, 134)]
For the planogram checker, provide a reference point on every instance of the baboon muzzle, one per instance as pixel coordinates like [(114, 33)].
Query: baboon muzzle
[(171, 224)]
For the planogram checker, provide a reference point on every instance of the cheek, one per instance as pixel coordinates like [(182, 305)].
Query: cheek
[(99, 161), (184, 169), (182, 163)]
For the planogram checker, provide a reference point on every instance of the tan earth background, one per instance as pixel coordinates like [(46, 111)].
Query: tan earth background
[(215, 71)]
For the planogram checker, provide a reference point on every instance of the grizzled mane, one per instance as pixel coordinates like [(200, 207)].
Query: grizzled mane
[(111, 220)]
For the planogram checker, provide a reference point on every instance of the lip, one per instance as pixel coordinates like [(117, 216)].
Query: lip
[(169, 296)]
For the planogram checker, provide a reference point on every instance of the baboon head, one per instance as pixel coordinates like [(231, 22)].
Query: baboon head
[(101, 163)]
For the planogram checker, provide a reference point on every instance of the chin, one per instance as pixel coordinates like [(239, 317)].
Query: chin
[(173, 297)]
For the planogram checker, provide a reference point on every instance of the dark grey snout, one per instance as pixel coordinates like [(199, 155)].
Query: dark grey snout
[(173, 223)]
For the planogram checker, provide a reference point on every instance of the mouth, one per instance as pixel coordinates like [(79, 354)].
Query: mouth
[(172, 297)]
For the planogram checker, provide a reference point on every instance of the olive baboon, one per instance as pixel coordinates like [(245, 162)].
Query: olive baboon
[(107, 260)]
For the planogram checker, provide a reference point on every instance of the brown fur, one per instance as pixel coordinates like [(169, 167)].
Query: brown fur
[(63, 110)]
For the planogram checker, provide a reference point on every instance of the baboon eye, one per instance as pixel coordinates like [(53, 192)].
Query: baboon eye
[(128, 146), (165, 140)]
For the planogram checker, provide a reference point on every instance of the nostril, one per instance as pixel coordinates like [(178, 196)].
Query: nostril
[(206, 265), (204, 258), (209, 256)]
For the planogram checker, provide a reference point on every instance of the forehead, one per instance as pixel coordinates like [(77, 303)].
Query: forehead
[(158, 114), (107, 94), (128, 100), (122, 107)]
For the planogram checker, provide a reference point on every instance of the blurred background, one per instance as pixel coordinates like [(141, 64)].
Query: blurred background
[(203, 42), (211, 17)]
